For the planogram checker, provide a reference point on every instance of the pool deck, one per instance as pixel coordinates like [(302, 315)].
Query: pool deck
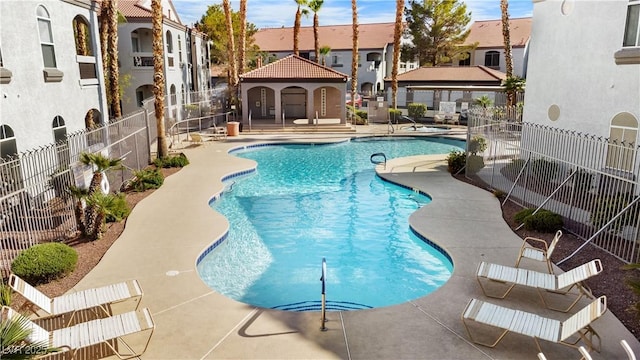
[(169, 229)]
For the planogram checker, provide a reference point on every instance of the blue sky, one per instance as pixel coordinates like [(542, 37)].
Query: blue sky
[(278, 13)]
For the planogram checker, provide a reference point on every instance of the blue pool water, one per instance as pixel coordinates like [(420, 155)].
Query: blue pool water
[(309, 202)]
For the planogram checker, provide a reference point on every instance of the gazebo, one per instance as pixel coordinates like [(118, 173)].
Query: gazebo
[(293, 88)]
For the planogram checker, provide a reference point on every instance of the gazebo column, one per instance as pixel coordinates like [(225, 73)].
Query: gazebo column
[(278, 106), (310, 106)]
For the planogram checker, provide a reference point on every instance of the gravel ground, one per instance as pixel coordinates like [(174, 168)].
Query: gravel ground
[(610, 282)]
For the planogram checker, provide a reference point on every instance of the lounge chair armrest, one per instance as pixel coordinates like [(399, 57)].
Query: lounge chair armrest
[(534, 239)]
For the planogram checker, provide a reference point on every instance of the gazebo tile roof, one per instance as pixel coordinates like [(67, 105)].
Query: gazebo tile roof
[(294, 67)]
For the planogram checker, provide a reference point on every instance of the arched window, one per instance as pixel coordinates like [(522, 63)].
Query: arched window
[(59, 129), (169, 42), (623, 140), (492, 59), (8, 146), (46, 37), (82, 36), (172, 95)]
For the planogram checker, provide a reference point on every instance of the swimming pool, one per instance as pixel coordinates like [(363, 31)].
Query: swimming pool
[(309, 202)]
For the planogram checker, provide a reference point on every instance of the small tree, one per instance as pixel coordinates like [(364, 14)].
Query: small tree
[(437, 29)]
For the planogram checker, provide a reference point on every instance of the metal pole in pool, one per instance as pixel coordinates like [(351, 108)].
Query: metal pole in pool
[(324, 307)]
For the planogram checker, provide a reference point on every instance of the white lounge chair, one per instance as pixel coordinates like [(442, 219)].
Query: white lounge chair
[(536, 326), (528, 251), (108, 331), (101, 297), (587, 356), (561, 284)]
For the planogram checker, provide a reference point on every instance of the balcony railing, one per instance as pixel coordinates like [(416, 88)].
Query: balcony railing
[(143, 60)]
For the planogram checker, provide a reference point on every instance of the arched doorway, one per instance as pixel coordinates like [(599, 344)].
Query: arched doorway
[(294, 102), (261, 102)]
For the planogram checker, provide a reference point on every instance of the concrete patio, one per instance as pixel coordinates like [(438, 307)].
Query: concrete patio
[(168, 230)]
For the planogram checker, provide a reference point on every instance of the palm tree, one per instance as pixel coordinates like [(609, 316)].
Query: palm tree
[(296, 25), (504, 7), (80, 195), (104, 38), (315, 6), (243, 36), (354, 50), (100, 164), (232, 70), (325, 50), (14, 339), (114, 71), (397, 33), (158, 77)]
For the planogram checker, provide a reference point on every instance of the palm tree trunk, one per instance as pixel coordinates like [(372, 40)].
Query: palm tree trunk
[(104, 45), (296, 31), (354, 51), (114, 76), (233, 70), (243, 37), (316, 40), (158, 77), (504, 7), (81, 38), (397, 32)]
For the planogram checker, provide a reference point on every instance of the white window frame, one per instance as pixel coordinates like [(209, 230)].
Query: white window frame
[(635, 4), (46, 20)]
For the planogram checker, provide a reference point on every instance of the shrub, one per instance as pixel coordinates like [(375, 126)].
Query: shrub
[(362, 114), (45, 262), (146, 179), (456, 161), (607, 206), (582, 181), (475, 163), (542, 168), (523, 214), (6, 294), (499, 193), (477, 144), (416, 110), (544, 220), (633, 282), (179, 160), (394, 114), (116, 208)]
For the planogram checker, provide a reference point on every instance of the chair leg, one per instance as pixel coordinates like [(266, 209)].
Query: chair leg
[(565, 293), (491, 345), (484, 291)]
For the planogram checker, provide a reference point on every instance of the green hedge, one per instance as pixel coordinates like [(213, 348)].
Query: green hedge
[(45, 262)]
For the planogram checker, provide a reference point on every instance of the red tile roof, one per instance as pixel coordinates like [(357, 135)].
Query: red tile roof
[(338, 37), (132, 9), (489, 33), (477, 73), (294, 68)]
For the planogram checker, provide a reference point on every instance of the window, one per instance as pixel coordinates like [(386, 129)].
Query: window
[(466, 61), (492, 59), (623, 134), (82, 36), (630, 52), (59, 129), (8, 145), (46, 37), (336, 60), (5, 74), (179, 49), (135, 43), (632, 27), (169, 42)]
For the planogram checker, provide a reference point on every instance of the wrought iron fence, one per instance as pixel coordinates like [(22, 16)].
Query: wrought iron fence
[(591, 181), (35, 203)]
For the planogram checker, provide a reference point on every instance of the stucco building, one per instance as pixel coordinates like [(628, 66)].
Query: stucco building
[(51, 75)]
